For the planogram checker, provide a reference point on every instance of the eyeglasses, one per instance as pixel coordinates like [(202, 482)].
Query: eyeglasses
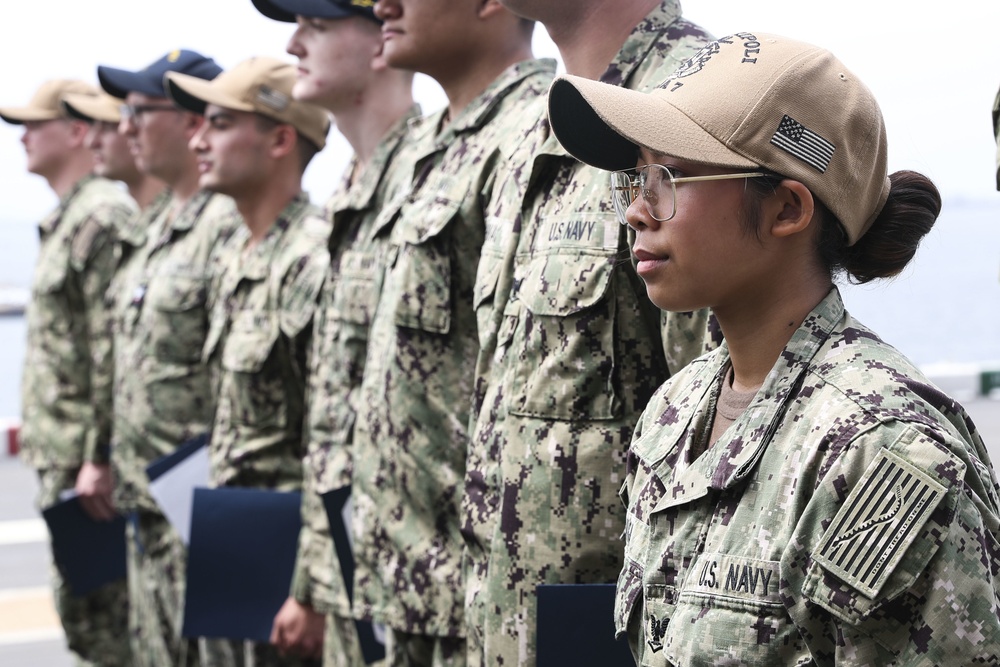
[(134, 112), (657, 186)]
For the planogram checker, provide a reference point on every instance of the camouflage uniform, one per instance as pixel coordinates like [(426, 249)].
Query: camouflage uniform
[(570, 355), (259, 337), (66, 386), (411, 436), (849, 516), (163, 396), (132, 236), (336, 364)]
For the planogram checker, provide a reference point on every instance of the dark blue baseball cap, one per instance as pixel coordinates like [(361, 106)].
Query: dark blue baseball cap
[(287, 10), (149, 81)]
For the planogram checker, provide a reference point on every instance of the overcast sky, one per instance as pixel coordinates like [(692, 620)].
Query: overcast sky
[(934, 68)]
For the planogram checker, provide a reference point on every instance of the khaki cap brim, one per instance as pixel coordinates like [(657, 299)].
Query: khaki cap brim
[(45, 104), (21, 115), (104, 108), (604, 126), (194, 94), (259, 85)]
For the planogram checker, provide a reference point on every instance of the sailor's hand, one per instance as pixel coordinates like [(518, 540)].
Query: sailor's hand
[(93, 485), (298, 630)]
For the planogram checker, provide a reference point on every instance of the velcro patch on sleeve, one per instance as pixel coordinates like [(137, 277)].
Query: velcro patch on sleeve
[(85, 241), (880, 519)]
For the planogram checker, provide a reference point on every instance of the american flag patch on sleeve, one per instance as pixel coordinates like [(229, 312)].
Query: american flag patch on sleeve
[(880, 519), (797, 139)]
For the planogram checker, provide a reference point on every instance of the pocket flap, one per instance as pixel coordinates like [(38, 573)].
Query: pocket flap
[(50, 278), (426, 216), (560, 285), (176, 293), (247, 347)]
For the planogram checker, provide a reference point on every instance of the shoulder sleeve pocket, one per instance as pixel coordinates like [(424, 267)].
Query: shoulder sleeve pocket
[(881, 539)]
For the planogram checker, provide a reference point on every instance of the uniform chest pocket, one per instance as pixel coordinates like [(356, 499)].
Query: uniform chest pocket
[(51, 277), (565, 339), (179, 322), (729, 604), (253, 377), (50, 310), (421, 276), (355, 288)]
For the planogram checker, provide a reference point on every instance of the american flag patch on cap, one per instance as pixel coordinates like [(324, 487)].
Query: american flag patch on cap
[(797, 139), (880, 519)]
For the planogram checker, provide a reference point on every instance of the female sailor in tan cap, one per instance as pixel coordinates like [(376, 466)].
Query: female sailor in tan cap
[(803, 495)]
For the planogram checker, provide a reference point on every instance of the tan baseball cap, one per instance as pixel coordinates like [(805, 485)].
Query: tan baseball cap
[(103, 108), (745, 101), (45, 105), (260, 85)]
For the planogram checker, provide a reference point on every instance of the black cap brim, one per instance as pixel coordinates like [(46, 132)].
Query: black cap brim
[(287, 10), (583, 133), (183, 99), (119, 82), (75, 113)]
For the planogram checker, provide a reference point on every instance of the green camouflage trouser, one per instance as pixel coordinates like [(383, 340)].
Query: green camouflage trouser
[(408, 650), (340, 644), (249, 654), (96, 625), (322, 583), (156, 567)]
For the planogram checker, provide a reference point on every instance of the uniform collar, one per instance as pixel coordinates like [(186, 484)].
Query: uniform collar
[(736, 454), (646, 35), (135, 230), (51, 221), (191, 211), (478, 112), (256, 262), (357, 192), (652, 30)]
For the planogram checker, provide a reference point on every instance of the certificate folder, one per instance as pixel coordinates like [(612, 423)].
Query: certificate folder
[(338, 510), (240, 561), (157, 468), (90, 553), (576, 627), (173, 479)]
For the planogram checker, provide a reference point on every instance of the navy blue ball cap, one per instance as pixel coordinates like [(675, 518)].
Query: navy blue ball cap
[(149, 81), (287, 10)]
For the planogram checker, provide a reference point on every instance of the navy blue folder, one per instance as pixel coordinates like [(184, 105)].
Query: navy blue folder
[(90, 553), (240, 561), (576, 627), (372, 649)]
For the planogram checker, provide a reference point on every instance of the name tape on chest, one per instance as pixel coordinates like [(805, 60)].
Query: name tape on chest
[(880, 519), (583, 231), (750, 579)]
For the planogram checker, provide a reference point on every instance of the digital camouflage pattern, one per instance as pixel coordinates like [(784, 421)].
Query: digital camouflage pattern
[(66, 386), (95, 625), (411, 435), (336, 365), (571, 351), (259, 336), (163, 396), (133, 234), (849, 516), (157, 565), (258, 340), (161, 324)]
